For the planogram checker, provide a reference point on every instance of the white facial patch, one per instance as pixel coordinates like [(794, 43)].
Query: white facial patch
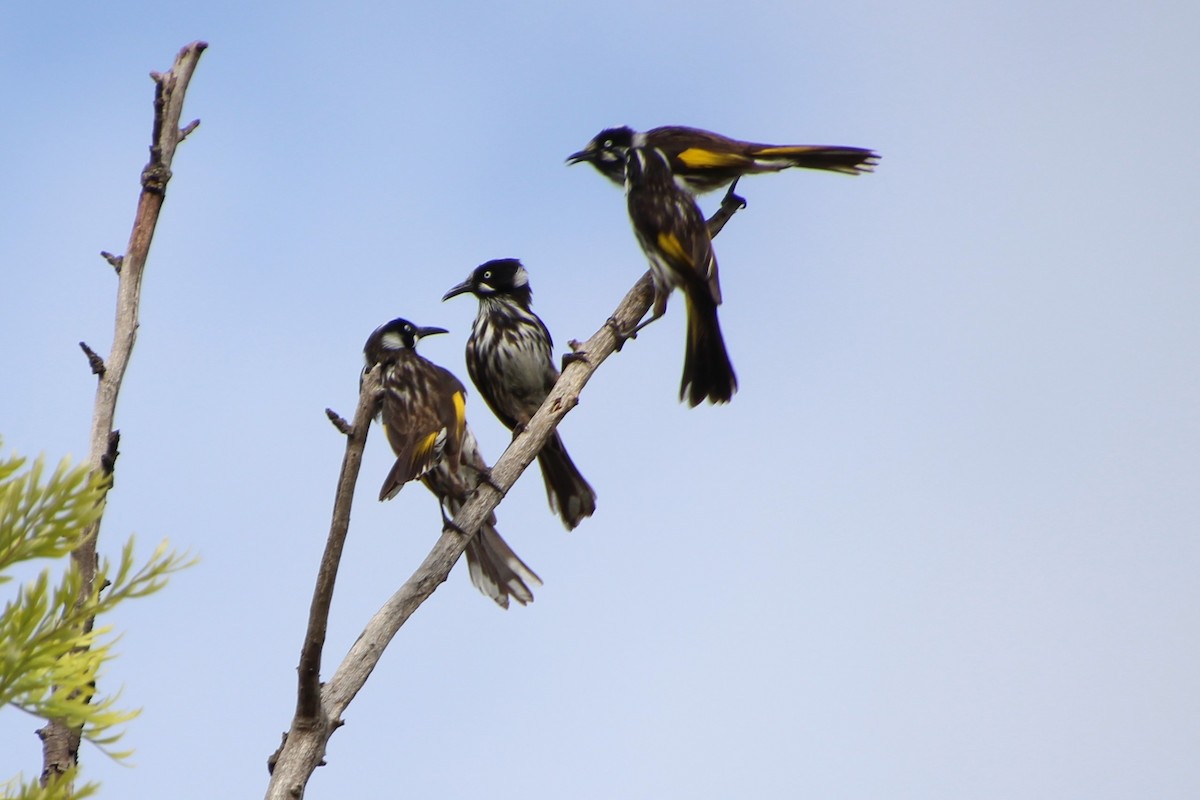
[(393, 341)]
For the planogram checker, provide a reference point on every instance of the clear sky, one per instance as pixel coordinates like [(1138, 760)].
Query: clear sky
[(942, 544)]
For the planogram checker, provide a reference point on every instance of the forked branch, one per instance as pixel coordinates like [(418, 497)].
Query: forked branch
[(303, 747)]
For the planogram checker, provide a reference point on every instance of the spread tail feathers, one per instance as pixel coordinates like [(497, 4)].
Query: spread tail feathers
[(497, 571)]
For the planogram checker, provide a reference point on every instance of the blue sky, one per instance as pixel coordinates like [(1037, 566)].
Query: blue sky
[(942, 544)]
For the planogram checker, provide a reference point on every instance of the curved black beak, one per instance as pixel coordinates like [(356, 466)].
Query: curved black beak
[(583, 155), (462, 288), (430, 331)]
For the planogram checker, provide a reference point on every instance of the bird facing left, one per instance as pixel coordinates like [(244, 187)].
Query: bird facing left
[(423, 413)]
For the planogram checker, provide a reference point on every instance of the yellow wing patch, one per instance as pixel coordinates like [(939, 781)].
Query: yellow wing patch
[(669, 243), (460, 414), (697, 158), (422, 450)]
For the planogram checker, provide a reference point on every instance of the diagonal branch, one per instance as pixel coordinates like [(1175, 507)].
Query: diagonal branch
[(60, 743), (303, 747)]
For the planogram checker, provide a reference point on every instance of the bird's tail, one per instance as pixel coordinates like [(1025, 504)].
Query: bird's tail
[(494, 568), (707, 371), (569, 494), (831, 158), (497, 571)]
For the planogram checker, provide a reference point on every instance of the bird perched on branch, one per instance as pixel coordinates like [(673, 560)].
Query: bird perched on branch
[(509, 358), (703, 161), (423, 412), (674, 236)]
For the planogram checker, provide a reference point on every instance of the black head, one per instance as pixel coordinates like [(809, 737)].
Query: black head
[(399, 334), (606, 152), (501, 276)]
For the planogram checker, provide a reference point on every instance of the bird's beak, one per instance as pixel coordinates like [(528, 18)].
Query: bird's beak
[(581, 156), (462, 288), (423, 332)]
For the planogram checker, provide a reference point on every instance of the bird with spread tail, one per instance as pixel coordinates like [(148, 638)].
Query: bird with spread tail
[(703, 161), (510, 361), (423, 413)]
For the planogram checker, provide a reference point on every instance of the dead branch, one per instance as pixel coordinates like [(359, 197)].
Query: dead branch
[(60, 749)]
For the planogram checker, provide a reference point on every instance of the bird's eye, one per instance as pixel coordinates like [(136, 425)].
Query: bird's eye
[(487, 276), (608, 143)]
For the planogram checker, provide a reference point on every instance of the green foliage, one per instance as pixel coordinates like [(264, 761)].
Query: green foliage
[(59, 788), (49, 660)]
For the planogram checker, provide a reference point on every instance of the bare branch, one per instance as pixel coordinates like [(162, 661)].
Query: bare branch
[(186, 129), (308, 706), (312, 725), (61, 745)]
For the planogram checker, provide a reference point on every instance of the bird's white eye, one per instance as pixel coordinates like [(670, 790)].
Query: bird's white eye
[(608, 143), (487, 276)]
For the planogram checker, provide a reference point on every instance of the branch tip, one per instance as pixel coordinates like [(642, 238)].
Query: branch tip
[(339, 422), (94, 360), (186, 129)]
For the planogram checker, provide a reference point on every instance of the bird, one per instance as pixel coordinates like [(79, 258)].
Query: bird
[(673, 234), (423, 413), (703, 161), (509, 359)]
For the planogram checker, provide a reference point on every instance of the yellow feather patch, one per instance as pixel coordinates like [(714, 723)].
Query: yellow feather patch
[(460, 413), (669, 243), (423, 448), (790, 150), (697, 158)]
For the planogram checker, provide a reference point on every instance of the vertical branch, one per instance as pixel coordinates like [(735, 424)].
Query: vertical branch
[(60, 743), (308, 702)]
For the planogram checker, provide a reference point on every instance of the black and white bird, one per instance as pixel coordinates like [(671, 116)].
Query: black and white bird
[(510, 360), (423, 413), (703, 161)]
